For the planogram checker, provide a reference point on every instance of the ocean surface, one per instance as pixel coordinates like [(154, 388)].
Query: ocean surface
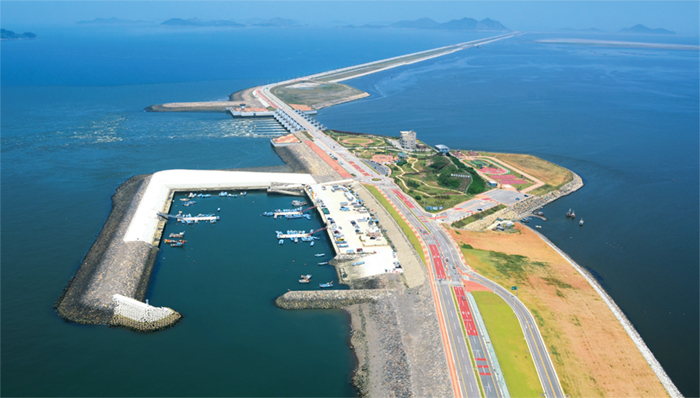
[(73, 129)]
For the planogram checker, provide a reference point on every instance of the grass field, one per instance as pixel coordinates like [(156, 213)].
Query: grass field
[(592, 353), (402, 224), (510, 346), (315, 96), (552, 175)]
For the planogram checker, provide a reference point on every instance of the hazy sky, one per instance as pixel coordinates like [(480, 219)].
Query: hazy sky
[(681, 16)]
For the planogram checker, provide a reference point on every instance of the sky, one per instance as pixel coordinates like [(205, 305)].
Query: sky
[(680, 16)]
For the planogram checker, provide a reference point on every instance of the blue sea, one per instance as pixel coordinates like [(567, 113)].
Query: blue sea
[(73, 129)]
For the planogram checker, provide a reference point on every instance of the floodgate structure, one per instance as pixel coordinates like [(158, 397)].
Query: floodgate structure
[(418, 330)]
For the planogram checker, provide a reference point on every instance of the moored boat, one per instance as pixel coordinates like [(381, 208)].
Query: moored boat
[(329, 284), (323, 263), (320, 254), (281, 241)]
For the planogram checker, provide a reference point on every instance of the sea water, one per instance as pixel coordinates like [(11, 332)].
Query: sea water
[(73, 129)]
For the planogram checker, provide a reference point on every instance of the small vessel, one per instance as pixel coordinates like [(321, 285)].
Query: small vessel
[(244, 193), (323, 263), (218, 209), (305, 279), (177, 244), (178, 235), (538, 226), (329, 284), (320, 254), (174, 241), (298, 203), (580, 223), (312, 243), (358, 263), (281, 241)]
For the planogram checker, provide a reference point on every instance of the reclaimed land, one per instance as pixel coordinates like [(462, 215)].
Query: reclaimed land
[(510, 346), (593, 354)]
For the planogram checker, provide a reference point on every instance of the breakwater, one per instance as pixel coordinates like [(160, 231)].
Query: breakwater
[(528, 205), (327, 299), (112, 266), (113, 279)]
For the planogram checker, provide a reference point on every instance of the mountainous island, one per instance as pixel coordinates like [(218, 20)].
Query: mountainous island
[(195, 22), (112, 22), (10, 35), (464, 24), (641, 29)]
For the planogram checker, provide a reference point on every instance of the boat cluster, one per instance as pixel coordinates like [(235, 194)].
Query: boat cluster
[(570, 214), (176, 239)]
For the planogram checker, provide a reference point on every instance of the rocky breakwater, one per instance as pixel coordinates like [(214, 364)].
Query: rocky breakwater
[(395, 335), (527, 206), (326, 299), (113, 267)]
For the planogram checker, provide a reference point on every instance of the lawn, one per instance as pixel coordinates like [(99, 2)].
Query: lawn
[(402, 224), (510, 346)]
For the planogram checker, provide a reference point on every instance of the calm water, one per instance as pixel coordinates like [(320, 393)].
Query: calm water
[(73, 129)]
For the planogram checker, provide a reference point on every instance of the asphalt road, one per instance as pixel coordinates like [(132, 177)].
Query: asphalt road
[(445, 260)]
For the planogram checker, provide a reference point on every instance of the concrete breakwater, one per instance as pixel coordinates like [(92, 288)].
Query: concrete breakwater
[(112, 266), (528, 205), (326, 299), (117, 269)]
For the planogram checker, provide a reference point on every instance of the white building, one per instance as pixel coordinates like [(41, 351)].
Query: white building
[(408, 140)]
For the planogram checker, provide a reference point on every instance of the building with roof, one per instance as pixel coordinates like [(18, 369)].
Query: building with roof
[(443, 149)]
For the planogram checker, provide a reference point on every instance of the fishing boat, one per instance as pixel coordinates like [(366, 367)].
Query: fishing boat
[(323, 263), (329, 284), (312, 243), (305, 279), (281, 241), (298, 203), (581, 222), (176, 244), (223, 193), (178, 235), (174, 241), (320, 254), (244, 193), (538, 226)]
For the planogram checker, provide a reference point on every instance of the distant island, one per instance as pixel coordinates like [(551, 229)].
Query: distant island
[(10, 35), (195, 22), (464, 24), (113, 21), (641, 29)]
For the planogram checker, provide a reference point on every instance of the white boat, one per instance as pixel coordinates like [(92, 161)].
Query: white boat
[(581, 222), (312, 244), (320, 254), (281, 241)]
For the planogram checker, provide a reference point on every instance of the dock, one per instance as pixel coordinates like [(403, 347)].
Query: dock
[(186, 218)]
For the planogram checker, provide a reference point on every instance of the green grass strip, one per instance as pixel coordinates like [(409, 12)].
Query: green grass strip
[(402, 224), (510, 345)]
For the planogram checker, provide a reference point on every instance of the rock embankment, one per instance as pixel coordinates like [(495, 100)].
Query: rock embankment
[(209, 106), (303, 159), (326, 299), (528, 205), (112, 266)]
